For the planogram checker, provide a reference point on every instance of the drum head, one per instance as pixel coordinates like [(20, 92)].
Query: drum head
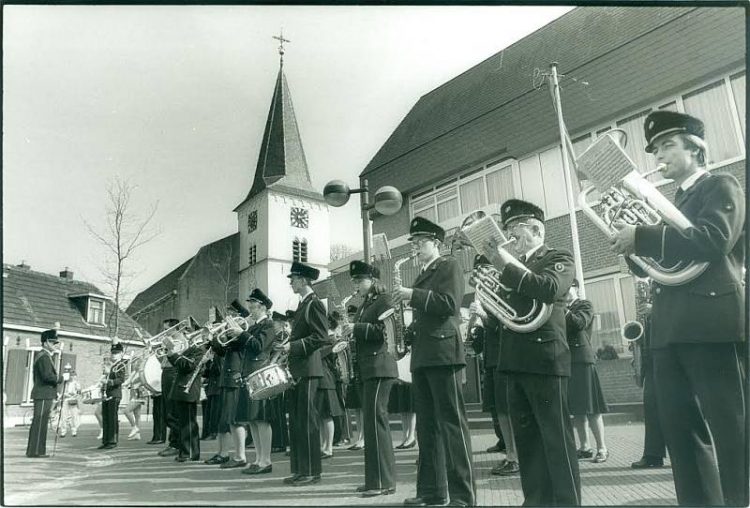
[(404, 368), (150, 374)]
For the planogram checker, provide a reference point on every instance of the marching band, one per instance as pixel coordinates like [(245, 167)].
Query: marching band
[(531, 328)]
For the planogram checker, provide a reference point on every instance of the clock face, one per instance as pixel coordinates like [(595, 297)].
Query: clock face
[(299, 218), (252, 221)]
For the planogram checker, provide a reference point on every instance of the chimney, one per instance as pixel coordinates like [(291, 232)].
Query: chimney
[(66, 274), (23, 266)]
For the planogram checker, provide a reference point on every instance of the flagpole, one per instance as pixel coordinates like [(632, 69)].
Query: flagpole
[(568, 180)]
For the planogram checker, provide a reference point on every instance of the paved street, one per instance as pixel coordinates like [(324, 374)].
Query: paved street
[(132, 474)]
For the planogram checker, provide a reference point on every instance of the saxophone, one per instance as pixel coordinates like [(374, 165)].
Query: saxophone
[(346, 362)]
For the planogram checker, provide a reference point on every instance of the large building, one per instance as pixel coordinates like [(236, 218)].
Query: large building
[(35, 301), (491, 133)]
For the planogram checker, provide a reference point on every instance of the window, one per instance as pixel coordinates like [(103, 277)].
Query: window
[(252, 255), (96, 311), (447, 203), (299, 250), (473, 195), (711, 104), (19, 375), (738, 92), (500, 184), (555, 189), (532, 186), (633, 127), (606, 327)]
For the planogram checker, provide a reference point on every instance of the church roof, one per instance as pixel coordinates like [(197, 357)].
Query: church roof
[(281, 162)]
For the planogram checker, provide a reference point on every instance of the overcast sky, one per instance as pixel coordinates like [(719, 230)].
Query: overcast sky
[(175, 98)]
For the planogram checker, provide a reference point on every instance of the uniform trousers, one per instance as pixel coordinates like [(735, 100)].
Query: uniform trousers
[(699, 387), (304, 428), (380, 462), (160, 418), (653, 443), (543, 433), (110, 422), (187, 416), (279, 428), (488, 399), (170, 416), (211, 412), (442, 431), (37, 444)]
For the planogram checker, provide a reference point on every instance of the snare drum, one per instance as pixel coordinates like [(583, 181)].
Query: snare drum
[(149, 374), (268, 382), (92, 394)]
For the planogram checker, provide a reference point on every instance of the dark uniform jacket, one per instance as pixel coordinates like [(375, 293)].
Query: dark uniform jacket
[(258, 340), (212, 373), (545, 350), (309, 334), (373, 358), (46, 377), (490, 345), (331, 371), (115, 379), (579, 317), (710, 308), (185, 364), (233, 358), (438, 292)]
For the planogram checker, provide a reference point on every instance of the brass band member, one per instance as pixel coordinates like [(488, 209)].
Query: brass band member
[(185, 395), (258, 341), (538, 362), (309, 334), (46, 379), (330, 406), (436, 361), (112, 395), (585, 398), (212, 407), (697, 327), (165, 406), (279, 429), (378, 371)]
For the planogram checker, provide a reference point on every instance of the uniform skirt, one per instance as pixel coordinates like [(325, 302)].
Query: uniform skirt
[(354, 394), (328, 403), (401, 399), (229, 402), (249, 410), (584, 391)]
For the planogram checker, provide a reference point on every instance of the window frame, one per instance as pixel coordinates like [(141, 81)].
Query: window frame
[(103, 320)]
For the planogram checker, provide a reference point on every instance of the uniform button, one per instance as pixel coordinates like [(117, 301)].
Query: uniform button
[(712, 293), (539, 339), (442, 336), (658, 290)]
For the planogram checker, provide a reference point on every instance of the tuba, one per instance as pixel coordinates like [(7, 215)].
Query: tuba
[(627, 196), (515, 312)]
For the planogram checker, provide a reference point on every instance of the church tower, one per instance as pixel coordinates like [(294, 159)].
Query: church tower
[(283, 218)]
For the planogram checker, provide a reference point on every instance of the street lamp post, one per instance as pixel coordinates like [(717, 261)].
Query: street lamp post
[(388, 200)]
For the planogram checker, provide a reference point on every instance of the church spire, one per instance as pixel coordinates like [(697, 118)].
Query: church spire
[(281, 162)]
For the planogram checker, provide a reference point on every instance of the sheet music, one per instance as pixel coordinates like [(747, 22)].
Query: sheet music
[(482, 230), (605, 163)]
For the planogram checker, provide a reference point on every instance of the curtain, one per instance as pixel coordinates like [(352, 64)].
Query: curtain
[(500, 185), (606, 329), (711, 105), (472, 195)]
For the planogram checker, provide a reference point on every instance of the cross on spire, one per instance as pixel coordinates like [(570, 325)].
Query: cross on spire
[(281, 40)]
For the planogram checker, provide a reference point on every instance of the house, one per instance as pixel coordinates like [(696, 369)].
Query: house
[(35, 301)]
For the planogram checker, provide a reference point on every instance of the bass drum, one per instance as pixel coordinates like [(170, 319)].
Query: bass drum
[(404, 368), (149, 374)]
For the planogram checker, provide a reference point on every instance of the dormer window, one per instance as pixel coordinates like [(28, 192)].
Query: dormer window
[(95, 311)]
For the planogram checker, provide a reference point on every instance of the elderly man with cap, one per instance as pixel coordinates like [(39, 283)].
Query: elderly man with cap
[(309, 334), (538, 362), (437, 358), (112, 387), (44, 392), (585, 398), (697, 327), (377, 370)]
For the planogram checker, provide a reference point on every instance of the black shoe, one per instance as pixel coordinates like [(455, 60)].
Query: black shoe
[(155, 441), (42, 456), (168, 452), (278, 449), (181, 458), (326, 455), (233, 463), (362, 488), (290, 479), (425, 501), (305, 480), (107, 446), (496, 448), (378, 492), (356, 446), (647, 462), (101, 447), (216, 459), (585, 454), (458, 502), (256, 469), (509, 468)]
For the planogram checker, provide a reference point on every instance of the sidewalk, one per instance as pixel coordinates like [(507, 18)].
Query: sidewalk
[(133, 474)]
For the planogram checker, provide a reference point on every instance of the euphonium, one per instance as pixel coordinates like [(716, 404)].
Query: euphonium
[(515, 312), (627, 196)]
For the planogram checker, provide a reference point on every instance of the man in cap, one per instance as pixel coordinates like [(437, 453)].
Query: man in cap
[(279, 429), (437, 358), (167, 417), (44, 392), (538, 362), (309, 334), (112, 395), (697, 327)]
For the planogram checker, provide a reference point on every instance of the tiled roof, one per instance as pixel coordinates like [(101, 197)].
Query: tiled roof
[(576, 38), (281, 159), (39, 299), (159, 289)]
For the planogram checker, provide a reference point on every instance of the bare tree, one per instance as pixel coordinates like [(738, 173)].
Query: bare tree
[(225, 270), (340, 251), (126, 231)]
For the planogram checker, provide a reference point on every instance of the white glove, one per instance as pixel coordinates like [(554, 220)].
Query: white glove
[(66, 376)]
